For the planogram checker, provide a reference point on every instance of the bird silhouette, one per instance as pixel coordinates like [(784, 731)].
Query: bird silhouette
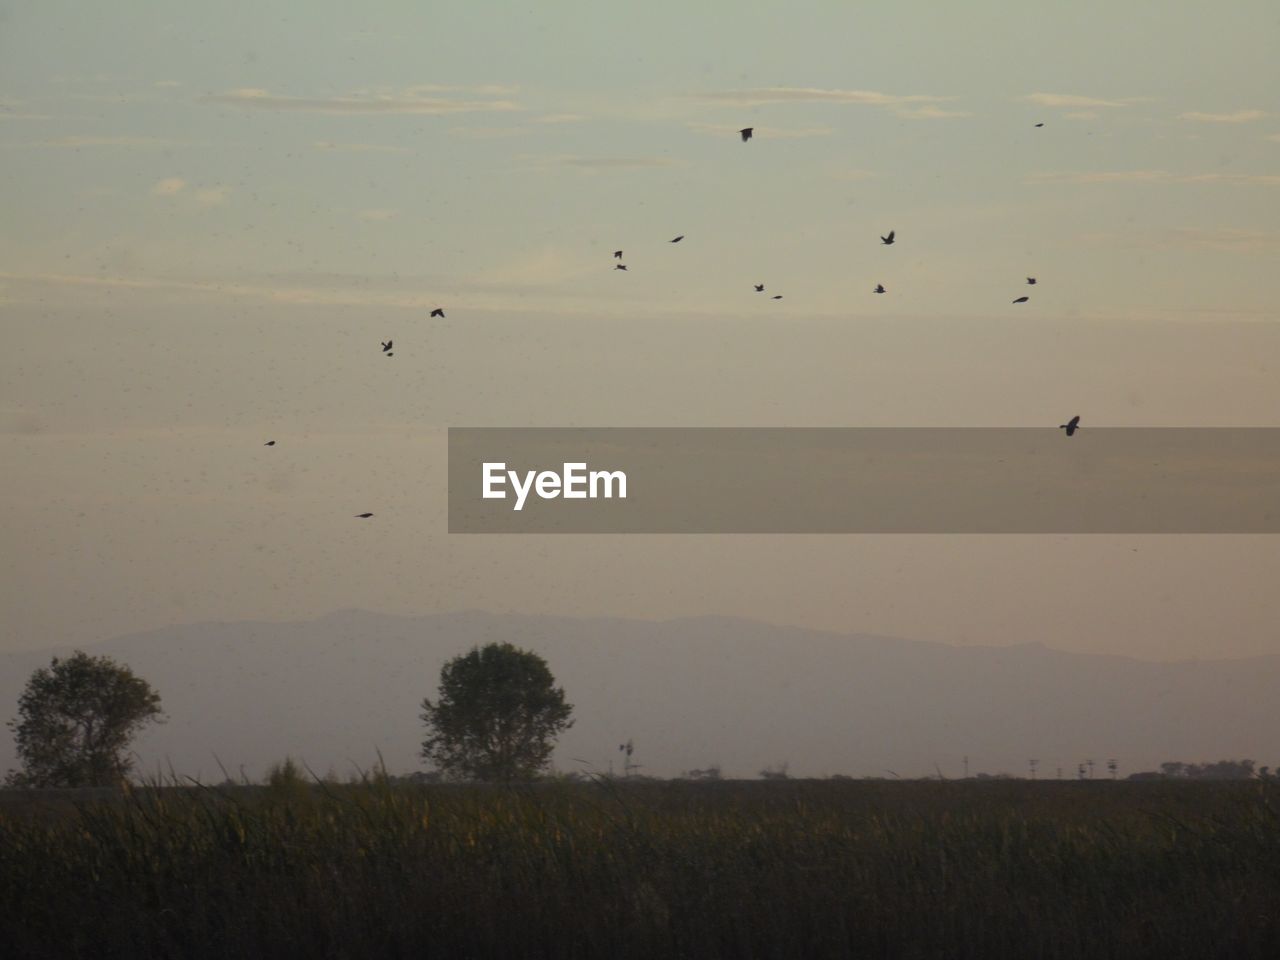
[(437, 312), (617, 254), (678, 239), (759, 287), (879, 288), (269, 443), (746, 133), (363, 516), (1022, 300), (620, 266), (387, 345), (388, 354), (887, 240), (777, 297), (1039, 124), (1071, 426), (1031, 280)]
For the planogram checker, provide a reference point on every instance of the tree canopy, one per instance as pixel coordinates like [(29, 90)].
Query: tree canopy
[(75, 720), (496, 717)]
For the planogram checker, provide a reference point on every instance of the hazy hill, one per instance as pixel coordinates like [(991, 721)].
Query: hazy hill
[(689, 692)]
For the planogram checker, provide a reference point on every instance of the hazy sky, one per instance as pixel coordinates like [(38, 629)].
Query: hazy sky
[(213, 214)]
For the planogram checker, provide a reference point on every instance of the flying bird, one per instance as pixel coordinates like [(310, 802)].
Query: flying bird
[(620, 266), (1031, 280), (269, 443), (678, 239), (746, 133), (759, 287), (437, 312), (1039, 124), (364, 516), (778, 297), (617, 254), (887, 240), (879, 288), (1071, 426), (386, 346), (1022, 300)]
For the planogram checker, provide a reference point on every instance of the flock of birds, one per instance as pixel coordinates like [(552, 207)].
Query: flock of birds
[(1071, 426)]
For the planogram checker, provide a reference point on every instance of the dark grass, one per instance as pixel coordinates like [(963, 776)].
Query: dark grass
[(734, 869)]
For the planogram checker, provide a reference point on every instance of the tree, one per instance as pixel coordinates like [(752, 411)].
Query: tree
[(75, 720), (496, 717)]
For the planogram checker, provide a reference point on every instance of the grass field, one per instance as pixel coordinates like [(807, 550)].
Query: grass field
[(794, 868)]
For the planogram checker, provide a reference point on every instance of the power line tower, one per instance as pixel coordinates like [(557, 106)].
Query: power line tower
[(1033, 764), (1113, 766), (627, 749)]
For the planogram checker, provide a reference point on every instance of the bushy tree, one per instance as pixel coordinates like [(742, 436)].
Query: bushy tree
[(496, 717), (75, 720), (1218, 770)]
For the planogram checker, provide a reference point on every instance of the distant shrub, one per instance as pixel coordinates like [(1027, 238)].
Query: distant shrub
[(287, 781), (708, 773)]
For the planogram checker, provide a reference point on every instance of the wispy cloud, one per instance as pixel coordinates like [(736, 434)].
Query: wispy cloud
[(599, 164), (560, 118), (201, 198), (617, 163), (1240, 116), (764, 133), (77, 142), (207, 197), (274, 294), (540, 284), (545, 266), (487, 133), (15, 110), (764, 95), (1072, 100), (168, 187), (484, 89), (329, 145), (930, 112), (1224, 238), (419, 100), (1081, 115), (506, 289), (1152, 176)]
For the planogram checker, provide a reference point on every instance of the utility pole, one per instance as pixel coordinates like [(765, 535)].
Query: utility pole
[(966, 768)]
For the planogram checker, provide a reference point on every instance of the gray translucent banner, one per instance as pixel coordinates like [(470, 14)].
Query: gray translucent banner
[(864, 480)]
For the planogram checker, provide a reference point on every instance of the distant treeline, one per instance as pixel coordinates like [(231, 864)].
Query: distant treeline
[(1218, 770)]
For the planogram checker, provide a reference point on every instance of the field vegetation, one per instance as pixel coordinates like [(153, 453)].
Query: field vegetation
[(789, 868)]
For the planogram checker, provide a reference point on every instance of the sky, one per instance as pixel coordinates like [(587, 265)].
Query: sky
[(213, 215)]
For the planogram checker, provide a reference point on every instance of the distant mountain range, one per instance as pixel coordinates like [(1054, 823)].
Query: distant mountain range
[(689, 693)]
